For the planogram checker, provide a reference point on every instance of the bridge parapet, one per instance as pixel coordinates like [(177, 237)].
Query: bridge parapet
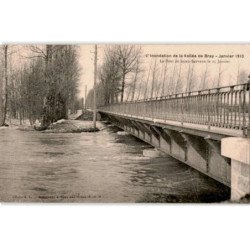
[(225, 107)]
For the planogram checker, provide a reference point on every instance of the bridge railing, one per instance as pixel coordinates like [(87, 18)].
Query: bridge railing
[(225, 107)]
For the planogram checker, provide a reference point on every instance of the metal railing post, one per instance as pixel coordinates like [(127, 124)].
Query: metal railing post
[(209, 122), (182, 117)]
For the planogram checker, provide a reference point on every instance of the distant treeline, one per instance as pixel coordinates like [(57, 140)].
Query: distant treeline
[(124, 75)]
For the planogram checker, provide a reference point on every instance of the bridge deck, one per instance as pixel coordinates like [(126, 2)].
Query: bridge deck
[(199, 129)]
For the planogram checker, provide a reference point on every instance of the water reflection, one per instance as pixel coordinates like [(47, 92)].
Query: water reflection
[(95, 167)]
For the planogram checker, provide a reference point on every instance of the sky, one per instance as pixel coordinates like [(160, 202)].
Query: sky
[(86, 61)]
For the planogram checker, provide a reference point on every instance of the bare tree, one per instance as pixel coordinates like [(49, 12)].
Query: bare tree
[(140, 88), (171, 83), (164, 79), (190, 77), (5, 84), (137, 71), (1, 89), (130, 90), (154, 72), (204, 77), (109, 76), (128, 58), (60, 76), (220, 74), (5, 49), (178, 85), (159, 81), (147, 81)]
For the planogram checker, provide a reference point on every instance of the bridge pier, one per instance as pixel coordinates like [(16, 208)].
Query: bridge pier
[(238, 150)]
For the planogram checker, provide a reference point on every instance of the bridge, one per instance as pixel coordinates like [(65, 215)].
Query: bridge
[(208, 130)]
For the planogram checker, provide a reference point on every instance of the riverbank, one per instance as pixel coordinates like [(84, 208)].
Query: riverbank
[(74, 126), (61, 126)]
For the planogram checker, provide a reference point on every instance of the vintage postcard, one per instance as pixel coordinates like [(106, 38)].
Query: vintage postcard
[(125, 123)]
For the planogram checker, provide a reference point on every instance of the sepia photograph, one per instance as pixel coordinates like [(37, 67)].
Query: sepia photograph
[(124, 123)]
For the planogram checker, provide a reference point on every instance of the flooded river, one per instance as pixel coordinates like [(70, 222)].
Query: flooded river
[(95, 167)]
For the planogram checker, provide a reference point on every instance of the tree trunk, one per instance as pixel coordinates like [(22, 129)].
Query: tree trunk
[(152, 85), (153, 81), (47, 106), (5, 92), (123, 86), (135, 81), (123, 78)]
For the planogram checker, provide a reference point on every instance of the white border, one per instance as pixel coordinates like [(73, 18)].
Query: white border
[(124, 226)]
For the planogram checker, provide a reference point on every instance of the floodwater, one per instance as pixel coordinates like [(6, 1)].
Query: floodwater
[(95, 167)]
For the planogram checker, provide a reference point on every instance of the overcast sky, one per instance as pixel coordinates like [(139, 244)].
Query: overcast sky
[(87, 64)]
